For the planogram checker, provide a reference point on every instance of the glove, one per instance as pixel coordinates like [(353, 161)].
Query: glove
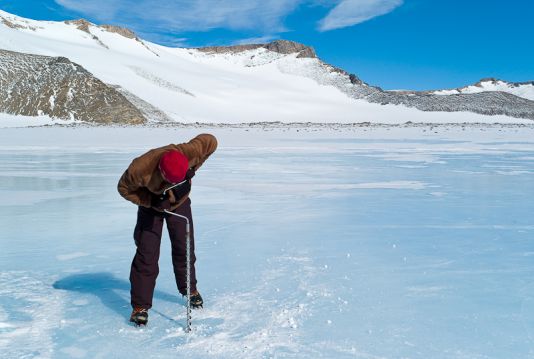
[(161, 202), (190, 174), (181, 190), (185, 187)]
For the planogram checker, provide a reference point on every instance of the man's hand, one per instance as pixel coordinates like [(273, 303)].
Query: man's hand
[(161, 202)]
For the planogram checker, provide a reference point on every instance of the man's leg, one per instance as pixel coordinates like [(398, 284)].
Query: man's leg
[(145, 269), (176, 227)]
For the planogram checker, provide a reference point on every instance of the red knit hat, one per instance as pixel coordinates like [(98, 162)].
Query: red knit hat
[(174, 165)]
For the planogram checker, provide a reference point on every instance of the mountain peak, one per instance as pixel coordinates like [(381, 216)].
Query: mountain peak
[(290, 47), (285, 47), (491, 80), (84, 25), (81, 24), (494, 81), (123, 31)]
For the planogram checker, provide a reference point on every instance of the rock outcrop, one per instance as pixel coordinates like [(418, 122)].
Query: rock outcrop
[(280, 46), (35, 85), (84, 25)]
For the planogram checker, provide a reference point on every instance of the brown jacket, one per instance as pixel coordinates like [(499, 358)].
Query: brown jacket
[(143, 178)]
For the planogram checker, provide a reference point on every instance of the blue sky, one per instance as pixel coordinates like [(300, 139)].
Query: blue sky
[(395, 44)]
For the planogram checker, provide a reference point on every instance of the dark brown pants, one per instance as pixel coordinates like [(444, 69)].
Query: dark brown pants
[(147, 236)]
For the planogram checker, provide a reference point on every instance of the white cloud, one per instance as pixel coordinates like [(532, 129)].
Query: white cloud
[(157, 18), (189, 15), (256, 40), (102, 10), (352, 12)]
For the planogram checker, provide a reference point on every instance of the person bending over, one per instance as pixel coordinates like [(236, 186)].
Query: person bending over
[(145, 183)]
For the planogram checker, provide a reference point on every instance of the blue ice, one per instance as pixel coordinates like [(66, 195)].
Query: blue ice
[(309, 245)]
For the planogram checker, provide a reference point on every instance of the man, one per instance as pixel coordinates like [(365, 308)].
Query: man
[(144, 183)]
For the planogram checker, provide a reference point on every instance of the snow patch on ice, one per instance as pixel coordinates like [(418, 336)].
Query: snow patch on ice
[(257, 323), (33, 310)]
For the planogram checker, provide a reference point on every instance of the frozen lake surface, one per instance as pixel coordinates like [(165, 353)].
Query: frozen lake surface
[(363, 243)]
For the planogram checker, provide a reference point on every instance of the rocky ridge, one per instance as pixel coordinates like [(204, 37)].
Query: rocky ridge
[(284, 47), (85, 26), (34, 85)]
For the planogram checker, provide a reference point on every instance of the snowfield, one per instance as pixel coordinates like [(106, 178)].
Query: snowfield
[(361, 242)]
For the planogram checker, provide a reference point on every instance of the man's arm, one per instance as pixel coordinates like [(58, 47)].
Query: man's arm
[(199, 149), (131, 187)]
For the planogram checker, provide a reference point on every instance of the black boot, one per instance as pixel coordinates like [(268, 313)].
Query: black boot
[(139, 316), (196, 300)]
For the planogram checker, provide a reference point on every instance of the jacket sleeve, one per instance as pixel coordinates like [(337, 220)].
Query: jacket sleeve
[(131, 186), (199, 149)]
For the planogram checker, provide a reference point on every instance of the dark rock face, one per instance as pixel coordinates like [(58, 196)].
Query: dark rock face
[(129, 34), (291, 47), (32, 85), (281, 46)]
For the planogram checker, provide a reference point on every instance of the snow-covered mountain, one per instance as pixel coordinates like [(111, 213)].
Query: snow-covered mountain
[(521, 89), (280, 81)]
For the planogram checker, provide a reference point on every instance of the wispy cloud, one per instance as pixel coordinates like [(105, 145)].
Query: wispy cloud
[(352, 12), (157, 18), (190, 15), (101, 10)]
